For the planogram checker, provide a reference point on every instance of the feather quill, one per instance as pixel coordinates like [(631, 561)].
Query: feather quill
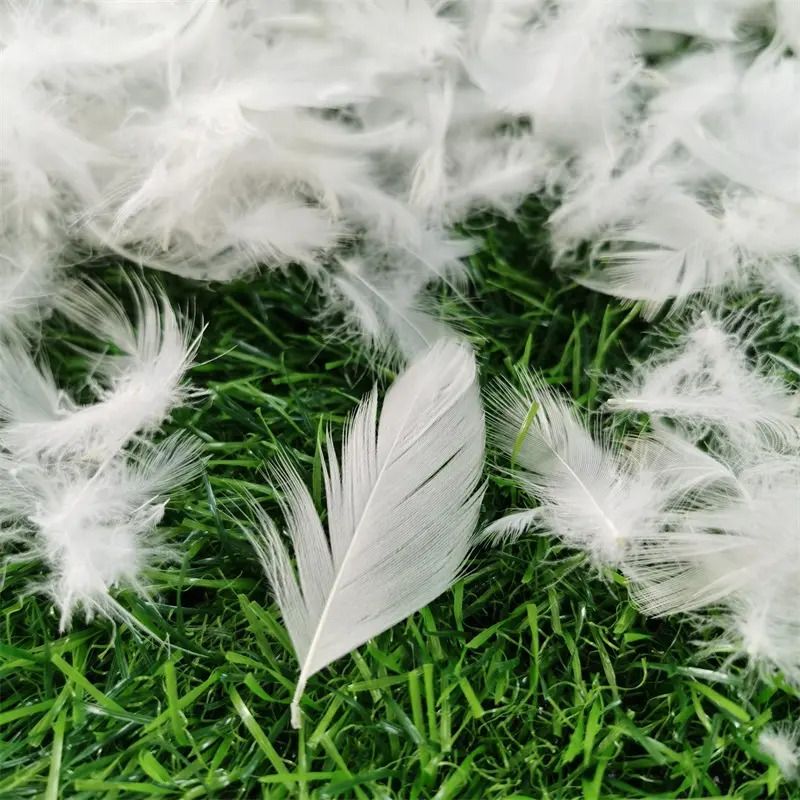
[(403, 502)]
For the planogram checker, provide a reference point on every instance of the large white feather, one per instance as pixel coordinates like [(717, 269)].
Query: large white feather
[(403, 502)]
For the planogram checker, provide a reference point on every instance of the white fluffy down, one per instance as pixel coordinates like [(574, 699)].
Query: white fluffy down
[(701, 514), (781, 743), (83, 486), (211, 137)]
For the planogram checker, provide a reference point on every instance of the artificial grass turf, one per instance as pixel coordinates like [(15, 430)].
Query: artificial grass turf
[(532, 678)]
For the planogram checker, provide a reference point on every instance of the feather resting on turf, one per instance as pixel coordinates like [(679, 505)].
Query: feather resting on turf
[(93, 527), (590, 492), (781, 743), (135, 388), (403, 501), (83, 486), (707, 380), (696, 512)]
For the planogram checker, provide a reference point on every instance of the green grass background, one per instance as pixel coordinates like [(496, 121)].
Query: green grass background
[(533, 677)]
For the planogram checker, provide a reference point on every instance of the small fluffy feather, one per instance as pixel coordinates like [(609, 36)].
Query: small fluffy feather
[(83, 487), (582, 485), (403, 501), (706, 379), (93, 527), (700, 514), (781, 743), (593, 493), (134, 388)]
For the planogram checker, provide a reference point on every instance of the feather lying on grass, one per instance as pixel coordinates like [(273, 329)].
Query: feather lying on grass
[(94, 526), (84, 486), (672, 249), (781, 743), (134, 388), (707, 380), (582, 485), (403, 501), (602, 496), (696, 512), (383, 308)]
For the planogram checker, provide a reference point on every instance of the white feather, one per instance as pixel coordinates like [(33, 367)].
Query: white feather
[(587, 490), (737, 549), (566, 64), (787, 14), (691, 530), (707, 380), (403, 503), (94, 527), (379, 293), (781, 743), (496, 173), (135, 388), (673, 249), (27, 281)]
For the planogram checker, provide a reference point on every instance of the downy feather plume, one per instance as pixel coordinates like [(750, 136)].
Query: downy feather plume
[(135, 388), (715, 554), (591, 492), (707, 381), (672, 248), (781, 743), (27, 281), (83, 486), (580, 484), (94, 526), (695, 194), (715, 20), (402, 501), (380, 296)]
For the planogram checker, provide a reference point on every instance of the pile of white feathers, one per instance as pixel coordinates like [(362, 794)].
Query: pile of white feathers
[(212, 138)]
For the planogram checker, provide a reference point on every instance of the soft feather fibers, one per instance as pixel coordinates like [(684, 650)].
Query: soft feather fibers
[(402, 501), (84, 485), (781, 743), (214, 137), (701, 513)]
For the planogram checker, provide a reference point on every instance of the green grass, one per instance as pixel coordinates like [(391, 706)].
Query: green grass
[(532, 678)]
